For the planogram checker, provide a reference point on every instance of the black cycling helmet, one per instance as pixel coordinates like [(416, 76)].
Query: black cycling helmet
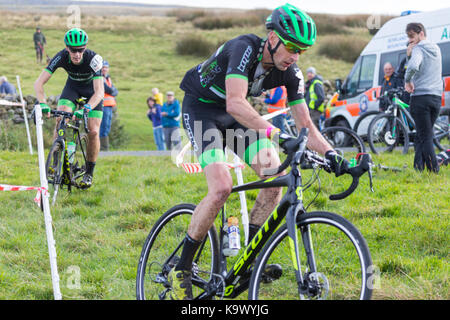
[(293, 25)]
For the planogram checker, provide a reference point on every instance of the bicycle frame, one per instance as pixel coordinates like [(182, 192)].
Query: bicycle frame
[(290, 205), (61, 138), (406, 118)]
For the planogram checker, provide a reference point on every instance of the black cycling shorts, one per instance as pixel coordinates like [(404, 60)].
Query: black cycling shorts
[(210, 128), (74, 90)]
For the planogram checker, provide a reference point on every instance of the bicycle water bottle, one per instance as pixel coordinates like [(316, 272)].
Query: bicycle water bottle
[(71, 151), (232, 239)]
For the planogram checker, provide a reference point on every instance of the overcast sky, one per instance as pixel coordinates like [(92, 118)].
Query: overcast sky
[(394, 7)]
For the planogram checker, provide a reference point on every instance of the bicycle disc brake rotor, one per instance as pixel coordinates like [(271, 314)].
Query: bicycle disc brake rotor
[(320, 282)]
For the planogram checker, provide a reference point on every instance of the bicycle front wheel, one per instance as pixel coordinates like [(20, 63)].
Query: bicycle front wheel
[(344, 140), (54, 163), (387, 132), (162, 250), (334, 256)]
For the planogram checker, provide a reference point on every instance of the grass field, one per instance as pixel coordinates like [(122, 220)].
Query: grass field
[(101, 232)]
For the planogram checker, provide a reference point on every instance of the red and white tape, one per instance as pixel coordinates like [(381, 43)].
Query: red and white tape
[(37, 199), (196, 168)]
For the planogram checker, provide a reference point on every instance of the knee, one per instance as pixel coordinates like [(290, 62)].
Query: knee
[(94, 133), (220, 188)]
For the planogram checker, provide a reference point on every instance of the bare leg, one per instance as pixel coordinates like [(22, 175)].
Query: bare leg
[(93, 147), (267, 199), (219, 187)]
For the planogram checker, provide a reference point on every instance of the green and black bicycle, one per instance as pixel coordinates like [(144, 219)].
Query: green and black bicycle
[(320, 255), (66, 161), (396, 127)]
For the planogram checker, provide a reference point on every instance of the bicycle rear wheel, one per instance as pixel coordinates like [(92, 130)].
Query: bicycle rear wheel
[(362, 123), (442, 130), (162, 250), (339, 266), (387, 132), (344, 140)]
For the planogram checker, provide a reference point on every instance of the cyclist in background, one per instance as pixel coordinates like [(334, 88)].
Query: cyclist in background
[(84, 69), (215, 103)]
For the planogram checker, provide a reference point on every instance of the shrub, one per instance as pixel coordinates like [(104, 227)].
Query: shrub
[(194, 45), (342, 48), (225, 21), (117, 136), (185, 15), (328, 24)]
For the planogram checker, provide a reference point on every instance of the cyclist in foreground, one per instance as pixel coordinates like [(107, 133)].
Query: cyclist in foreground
[(216, 113), (85, 79)]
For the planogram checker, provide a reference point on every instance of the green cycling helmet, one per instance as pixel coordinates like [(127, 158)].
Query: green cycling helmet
[(292, 24), (76, 37)]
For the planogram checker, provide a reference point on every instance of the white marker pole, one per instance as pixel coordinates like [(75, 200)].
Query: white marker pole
[(24, 115), (46, 205)]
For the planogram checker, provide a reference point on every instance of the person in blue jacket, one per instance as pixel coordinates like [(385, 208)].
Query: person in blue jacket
[(6, 87), (154, 115), (171, 113)]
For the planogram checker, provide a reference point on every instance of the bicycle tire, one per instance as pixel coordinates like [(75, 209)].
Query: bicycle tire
[(442, 130), (343, 263), (78, 167), (381, 137), (54, 163), (365, 121), (164, 240), (344, 140)]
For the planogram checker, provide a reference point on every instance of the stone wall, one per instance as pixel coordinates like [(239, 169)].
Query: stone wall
[(15, 113)]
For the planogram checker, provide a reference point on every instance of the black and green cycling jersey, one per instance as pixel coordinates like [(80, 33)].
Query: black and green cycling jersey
[(240, 58), (205, 119), (79, 83)]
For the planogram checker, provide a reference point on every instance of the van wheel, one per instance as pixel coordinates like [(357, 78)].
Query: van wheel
[(342, 123)]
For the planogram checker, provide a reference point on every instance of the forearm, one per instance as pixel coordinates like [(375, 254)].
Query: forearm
[(244, 113), (39, 86), (302, 119), (99, 93)]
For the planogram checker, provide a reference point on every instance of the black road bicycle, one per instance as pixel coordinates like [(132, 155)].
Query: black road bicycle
[(66, 161), (396, 128), (321, 254)]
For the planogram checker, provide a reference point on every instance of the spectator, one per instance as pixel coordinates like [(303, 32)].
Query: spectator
[(171, 121), (390, 81), (158, 96), (423, 80), (276, 100), (314, 95), (6, 87), (39, 43), (109, 102), (154, 115)]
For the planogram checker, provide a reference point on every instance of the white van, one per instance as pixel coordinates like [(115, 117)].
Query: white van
[(359, 91)]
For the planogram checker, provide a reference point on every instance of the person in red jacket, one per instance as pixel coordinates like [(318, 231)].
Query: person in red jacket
[(276, 100)]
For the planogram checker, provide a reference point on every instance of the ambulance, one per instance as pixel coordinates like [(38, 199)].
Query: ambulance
[(359, 91)]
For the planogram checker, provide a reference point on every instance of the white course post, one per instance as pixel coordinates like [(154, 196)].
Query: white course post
[(25, 118), (46, 205)]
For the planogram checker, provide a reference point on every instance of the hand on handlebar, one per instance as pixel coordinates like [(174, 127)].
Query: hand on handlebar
[(338, 164), (79, 114), (288, 143)]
